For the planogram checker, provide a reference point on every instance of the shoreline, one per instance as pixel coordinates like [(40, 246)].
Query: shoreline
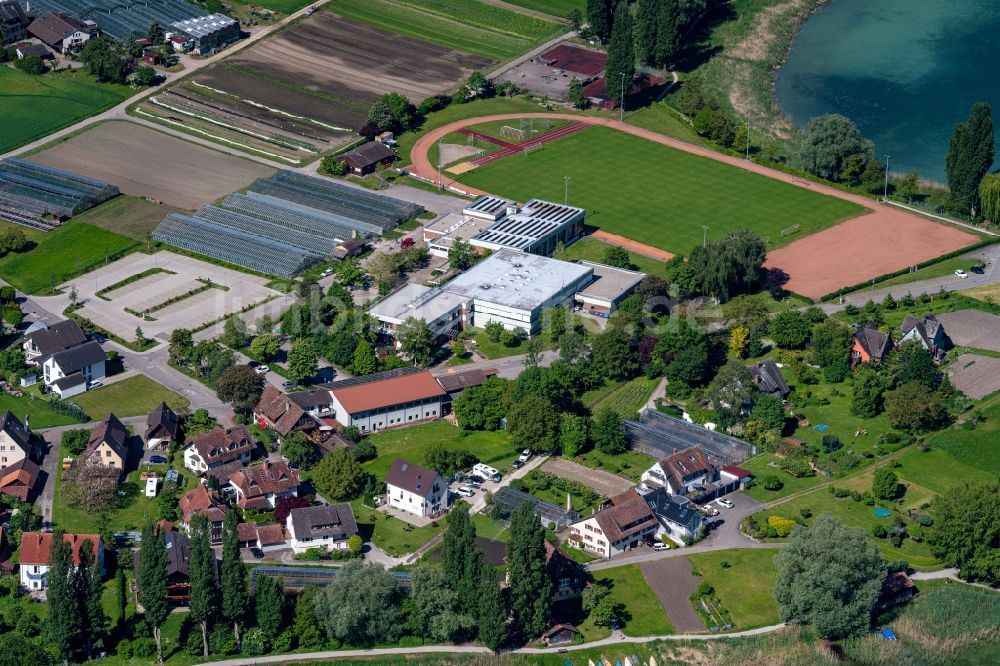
[(775, 106)]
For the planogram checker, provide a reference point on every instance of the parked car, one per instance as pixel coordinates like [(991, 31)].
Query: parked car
[(486, 472), (726, 503), (97, 384), (709, 510), (474, 480), (262, 369), (287, 384), (517, 464), (327, 272), (962, 274), (157, 460), (659, 545), (525, 456), (978, 270), (465, 491), (406, 242)]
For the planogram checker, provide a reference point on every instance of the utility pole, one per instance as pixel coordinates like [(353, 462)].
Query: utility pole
[(885, 192), (704, 235), (566, 190), (621, 102)]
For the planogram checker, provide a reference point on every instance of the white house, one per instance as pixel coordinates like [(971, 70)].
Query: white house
[(65, 33), (72, 371), (387, 399), (34, 559), (42, 340), (622, 525), (680, 472), (415, 489), (217, 447), (15, 441), (327, 526), (679, 519)]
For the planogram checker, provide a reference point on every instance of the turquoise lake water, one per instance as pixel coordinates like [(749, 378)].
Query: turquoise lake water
[(904, 70)]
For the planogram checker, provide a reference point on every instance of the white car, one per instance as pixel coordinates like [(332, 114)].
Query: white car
[(962, 274), (262, 369), (726, 503), (525, 456), (659, 545), (327, 272), (465, 491), (97, 384)]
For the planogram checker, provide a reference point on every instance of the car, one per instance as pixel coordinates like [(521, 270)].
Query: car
[(960, 273), (888, 634), (97, 384), (328, 272), (465, 491), (474, 480), (710, 510), (725, 502), (262, 369), (659, 545), (406, 242), (978, 270), (517, 464), (287, 384), (157, 460), (525, 456)]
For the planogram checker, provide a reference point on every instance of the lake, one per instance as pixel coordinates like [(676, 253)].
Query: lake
[(905, 71)]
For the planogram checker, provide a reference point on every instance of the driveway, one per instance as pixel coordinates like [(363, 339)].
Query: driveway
[(605, 483), (673, 584)]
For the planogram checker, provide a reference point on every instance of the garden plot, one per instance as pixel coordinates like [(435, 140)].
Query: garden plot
[(975, 375)]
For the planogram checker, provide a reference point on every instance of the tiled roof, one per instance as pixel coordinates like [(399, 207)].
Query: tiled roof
[(875, 343), (110, 431), (18, 479), (57, 337), (463, 379), (69, 381), (269, 535), (268, 478), (247, 531), (16, 431), (223, 445), (738, 472), (386, 392), (200, 500), (162, 417), (412, 478), (767, 377), (927, 328), (368, 154), (627, 515), (35, 546), (53, 28), (684, 464), (279, 409), (320, 522)]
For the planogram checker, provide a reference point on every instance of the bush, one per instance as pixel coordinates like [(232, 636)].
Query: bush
[(771, 482), (254, 642), (283, 641), (879, 531), (705, 589), (896, 539), (924, 520), (221, 640), (805, 512), (855, 495), (782, 526)]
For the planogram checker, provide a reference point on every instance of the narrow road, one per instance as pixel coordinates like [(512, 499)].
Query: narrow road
[(949, 574)]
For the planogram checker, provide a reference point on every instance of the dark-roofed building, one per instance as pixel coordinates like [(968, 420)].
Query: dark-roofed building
[(46, 340), (178, 567), (261, 486), (162, 427), (351, 247), (625, 522), (568, 578), (19, 479), (767, 378), (678, 517), (415, 489), (870, 344), (387, 399), (218, 447), (71, 371), (328, 526), (367, 158), (458, 379), (897, 588), (29, 49), (200, 501), (928, 331), (283, 412), (63, 32), (15, 441), (560, 634), (507, 500), (108, 445), (13, 22), (681, 472)]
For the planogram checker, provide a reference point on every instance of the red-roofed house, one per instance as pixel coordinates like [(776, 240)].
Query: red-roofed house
[(624, 524), (203, 502), (680, 472), (387, 399), (284, 412), (34, 559), (261, 486), (18, 479)]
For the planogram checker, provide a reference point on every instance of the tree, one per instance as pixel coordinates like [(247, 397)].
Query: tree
[(340, 477), (365, 362), (481, 407), (608, 432), (534, 424), (30, 65), (392, 112), (89, 588), (240, 386), (909, 186), (970, 156), (739, 336), (434, 611), (646, 17), (873, 177), (299, 450), (155, 33), (731, 266), (620, 66), (669, 23), (286, 504), (913, 407), (576, 96), (768, 410), (966, 530), (202, 576), (461, 254), (601, 605), (885, 484), (302, 360), (866, 400), (143, 77), (614, 355), (493, 610), (831, 576), (416, 340), (831, 139), (530, 586), (831, 346), (152, 583), (234, 333), (477, 86), (306, 626), (910, 362), (181, 344), (572, 434), (361, 605), (730, 391), (383, 268), (269, 603), (265, 346), (790, 329), (235, 597), (75, 441), (599, 16), (12, 240), (716, 124), (103, 59), (618, 257), (64, 622), (140, 337), (462, 561)]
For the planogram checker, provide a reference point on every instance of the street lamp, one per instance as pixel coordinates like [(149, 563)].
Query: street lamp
[(621, 102), (748, 136), (704, 235), (566, 190), (885, 192)]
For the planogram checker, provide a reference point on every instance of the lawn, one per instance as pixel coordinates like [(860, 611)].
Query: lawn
[(34, 106), (973, 448), (493, 448), (60, 255), (760, 466), (284, 6), (628, 398), (495, 128), (661, 118), (745, 587), (665, 206), (42, 416), (134, 217), (591, 249), (391, 534), (630, 464), (466, 25), (989, 293), (488, 528), (643, 610), (134, 396)]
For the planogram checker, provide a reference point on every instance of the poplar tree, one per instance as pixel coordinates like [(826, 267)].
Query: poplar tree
[(463, 560), (599, 17), (64, 612), (970, 156), (235, 599), (621, 54), (530, 587), (202, 574), (269, 601), (493, 611), (153, 582), (646, 23), (89, 588), (669, 23)]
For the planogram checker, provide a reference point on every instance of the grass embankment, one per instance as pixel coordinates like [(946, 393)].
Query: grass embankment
[(592, 249), (41, 415), (130, 216), (665, 195), (134, 396), (745, 587), (390, 534)]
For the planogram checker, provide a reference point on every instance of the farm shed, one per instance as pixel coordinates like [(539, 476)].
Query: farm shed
[(509, 500), (209, 33), (368, 158)]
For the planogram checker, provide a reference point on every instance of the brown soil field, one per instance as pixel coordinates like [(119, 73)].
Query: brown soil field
[(144, 162)]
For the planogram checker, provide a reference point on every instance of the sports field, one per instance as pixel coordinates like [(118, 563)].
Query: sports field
[(33, 106), (658, 195)]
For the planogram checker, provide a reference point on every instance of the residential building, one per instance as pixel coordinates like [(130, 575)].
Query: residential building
[(162, 427), (679, 518), (368, 158), (560, 634), (208, 34), (282, 412), (624, 523), (416, 490), (34, 557), (218, 447), (261, 486), (63, 32), (268, 537), (870, 345), (568, 578), (680, 472), (42, 340), (108, 445), (72, 371), (178, 567), (13, 22), (610, 287), (328, 526), (18, 479), (928, 331), (200, 501), (767, 378), (15, 441), (387, 399), (897, 588)]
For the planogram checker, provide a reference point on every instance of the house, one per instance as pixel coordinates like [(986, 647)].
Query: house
[(568, 578), (624, 523), (108, 445), (679, 519), (162, 427), (261, 486), (368, 158), (560, 634), (63, 32), (19, 479), (73, 371), (458, 379), (767, 378), (351, 247), (870, 344), (13, 23), (201, 501), (680, 472), (321, 527), (269, 537), (730, 473), (928, 331), (897, 588), (218, 447), (387, 399), (178, 567), (34, 559), (15, 441), (42, 340), (284, 412), (415, 489), (29, 49)]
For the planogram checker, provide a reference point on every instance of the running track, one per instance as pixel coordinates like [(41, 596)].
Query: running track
[(883, 240)]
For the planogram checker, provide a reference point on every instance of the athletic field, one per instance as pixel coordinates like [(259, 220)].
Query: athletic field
[(658, 195)]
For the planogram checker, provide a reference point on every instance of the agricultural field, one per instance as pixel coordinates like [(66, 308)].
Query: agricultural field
[(646, 205), (146, 163), (557, 8), (627, 398), (471, 26), (130, 216), (34, 106)]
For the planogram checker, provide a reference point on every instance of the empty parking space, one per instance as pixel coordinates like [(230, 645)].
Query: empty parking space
[(673, 584), (975, 375), (605, 483)]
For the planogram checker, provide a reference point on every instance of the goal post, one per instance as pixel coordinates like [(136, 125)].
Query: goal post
[(509, 132)]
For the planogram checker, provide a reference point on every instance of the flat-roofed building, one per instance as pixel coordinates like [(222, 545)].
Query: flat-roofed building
[(610, 287), (440, 308), (441, 234)]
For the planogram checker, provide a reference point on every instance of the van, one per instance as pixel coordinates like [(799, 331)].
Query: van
[(486, 472)]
